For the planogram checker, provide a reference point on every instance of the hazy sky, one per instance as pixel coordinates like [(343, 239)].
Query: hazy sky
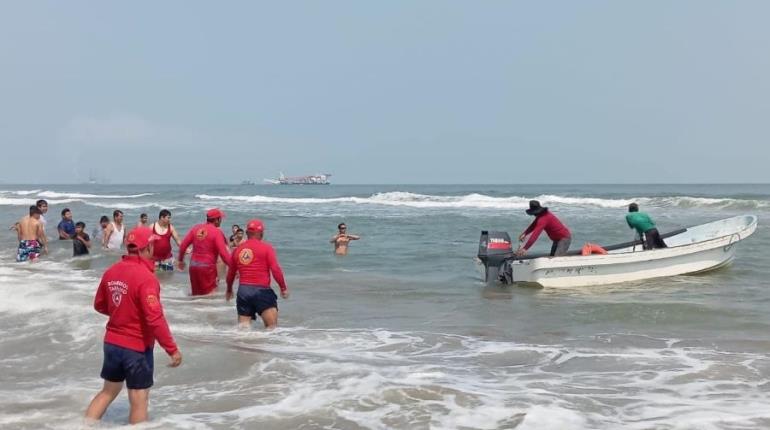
[(385, 92)]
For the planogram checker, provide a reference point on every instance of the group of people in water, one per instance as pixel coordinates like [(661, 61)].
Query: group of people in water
[(110, 235), (561, 236), (129, 291)]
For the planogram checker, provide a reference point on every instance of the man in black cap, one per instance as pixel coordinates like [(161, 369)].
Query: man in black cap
[(545, 220)]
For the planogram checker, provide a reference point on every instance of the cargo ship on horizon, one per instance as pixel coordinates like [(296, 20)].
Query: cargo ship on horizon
[(320, 179)]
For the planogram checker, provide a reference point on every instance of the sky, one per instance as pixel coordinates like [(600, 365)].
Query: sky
[(385, 92)]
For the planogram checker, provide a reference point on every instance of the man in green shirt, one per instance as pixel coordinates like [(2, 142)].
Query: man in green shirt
[(645, 226)]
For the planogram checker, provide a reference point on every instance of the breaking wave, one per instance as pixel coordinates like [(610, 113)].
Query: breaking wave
[(400, 198), (65, 195), (9, 201), (20, 192), (57, 195)]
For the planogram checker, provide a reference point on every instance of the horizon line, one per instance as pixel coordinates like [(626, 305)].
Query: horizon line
[(385, 183)]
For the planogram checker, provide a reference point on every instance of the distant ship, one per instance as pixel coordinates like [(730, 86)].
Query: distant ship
[(320, 179), (93, 179)]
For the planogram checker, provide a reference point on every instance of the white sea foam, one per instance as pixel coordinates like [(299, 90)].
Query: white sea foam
[(13, 201), (20, 192), (10, 201), (474, 200), (58, 195), (345, 377), (127, 205), (378, 379)]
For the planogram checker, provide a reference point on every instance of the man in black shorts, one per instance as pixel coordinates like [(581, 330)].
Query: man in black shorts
[(254, 261)]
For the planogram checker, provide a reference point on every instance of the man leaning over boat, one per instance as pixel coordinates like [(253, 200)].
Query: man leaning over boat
[(645, 226), (545, 220)]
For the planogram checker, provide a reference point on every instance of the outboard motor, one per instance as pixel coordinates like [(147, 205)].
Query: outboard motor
[(494, 249)]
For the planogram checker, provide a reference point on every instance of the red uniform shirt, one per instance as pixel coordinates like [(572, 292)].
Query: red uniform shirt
[(552, 226), (254, 261), (208, 242), (129, 294)]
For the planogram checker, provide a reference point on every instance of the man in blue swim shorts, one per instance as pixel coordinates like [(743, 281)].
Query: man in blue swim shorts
[(31, 236)]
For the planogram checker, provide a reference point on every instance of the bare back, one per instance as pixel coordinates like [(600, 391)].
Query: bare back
[(30, 228)]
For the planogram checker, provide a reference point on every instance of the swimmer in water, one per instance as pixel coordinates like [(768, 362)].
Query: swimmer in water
[(342, 239)]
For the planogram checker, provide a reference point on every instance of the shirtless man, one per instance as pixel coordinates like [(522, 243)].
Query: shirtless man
[(341, 240), (30, 233), (237, 239), (234, 229), (42, 205)]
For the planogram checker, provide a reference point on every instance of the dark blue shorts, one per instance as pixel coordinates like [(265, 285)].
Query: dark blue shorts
[(253, 300), (123, 364)]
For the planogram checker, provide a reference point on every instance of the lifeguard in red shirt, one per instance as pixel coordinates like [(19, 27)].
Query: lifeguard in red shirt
[(129, 294), (545, 220), (254, 261), (208, 243)]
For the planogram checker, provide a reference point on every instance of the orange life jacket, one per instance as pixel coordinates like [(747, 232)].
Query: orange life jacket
[(592, 248)]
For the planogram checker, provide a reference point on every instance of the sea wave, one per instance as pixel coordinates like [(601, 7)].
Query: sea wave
[(58, 195), (475, 200), (10, 201), (20, 192)]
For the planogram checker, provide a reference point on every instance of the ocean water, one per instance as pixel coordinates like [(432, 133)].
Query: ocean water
[(402, 333)]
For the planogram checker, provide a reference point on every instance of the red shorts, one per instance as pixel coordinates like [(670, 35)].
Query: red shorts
[(203, 279)]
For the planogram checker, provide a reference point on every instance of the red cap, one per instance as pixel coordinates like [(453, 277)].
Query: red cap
[(215, 213), (255, 225), (140, 237)]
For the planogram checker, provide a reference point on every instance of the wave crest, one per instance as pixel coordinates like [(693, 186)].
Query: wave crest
[(475, 200), (58, 195)]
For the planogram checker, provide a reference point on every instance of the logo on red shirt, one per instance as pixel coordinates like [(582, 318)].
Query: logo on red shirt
[(201, 234), (246, 256), (152, 301), (117, 290)]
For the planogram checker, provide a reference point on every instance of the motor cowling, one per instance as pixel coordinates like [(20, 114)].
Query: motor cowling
[(494, 249)]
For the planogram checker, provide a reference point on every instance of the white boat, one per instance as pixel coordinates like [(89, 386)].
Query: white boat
[(693, 250)]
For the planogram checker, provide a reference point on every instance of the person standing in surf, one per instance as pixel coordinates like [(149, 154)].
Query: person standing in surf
[(143, 220), (164, 258), (545, 220), (66, 226), (43, 206), (31, 236), (254, 261), (234, 229), (342, 239), (81, 242), (115, 232), (98, 232), (208, 243), (237, 238), (129, 294)]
